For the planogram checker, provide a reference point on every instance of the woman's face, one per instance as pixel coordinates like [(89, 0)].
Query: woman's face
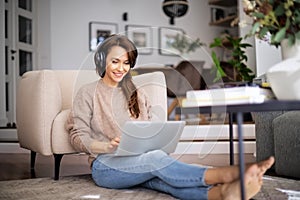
[(117, 66)]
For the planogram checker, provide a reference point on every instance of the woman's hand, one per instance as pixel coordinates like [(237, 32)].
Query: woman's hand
[(114, 143)]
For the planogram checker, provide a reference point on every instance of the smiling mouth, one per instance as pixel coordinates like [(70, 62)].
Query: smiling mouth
[(118, 75)]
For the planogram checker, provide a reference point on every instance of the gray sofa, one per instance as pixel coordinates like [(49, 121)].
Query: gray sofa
[(278, 134)]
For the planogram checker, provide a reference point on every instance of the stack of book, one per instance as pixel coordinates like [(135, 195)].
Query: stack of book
[(227, 96)]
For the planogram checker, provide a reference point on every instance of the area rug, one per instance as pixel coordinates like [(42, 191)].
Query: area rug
[(82, 187)]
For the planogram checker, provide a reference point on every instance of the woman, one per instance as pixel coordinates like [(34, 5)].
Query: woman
[(100, 109)]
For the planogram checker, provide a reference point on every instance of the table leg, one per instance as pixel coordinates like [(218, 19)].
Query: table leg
[(172, 106), (177, 117), (241, 153), (231, 148)]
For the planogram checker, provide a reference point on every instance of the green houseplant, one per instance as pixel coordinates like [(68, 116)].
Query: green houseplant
[(185, 44), (237, 61), (280, 19)]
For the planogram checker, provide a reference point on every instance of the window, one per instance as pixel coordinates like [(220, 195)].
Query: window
[(25, 60), (25, 30), (25, 4)]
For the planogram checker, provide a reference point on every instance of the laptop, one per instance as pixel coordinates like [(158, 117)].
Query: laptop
[(139, 137)]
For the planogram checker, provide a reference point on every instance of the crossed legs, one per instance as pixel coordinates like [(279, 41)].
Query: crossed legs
[(182, 180), (227, 184)]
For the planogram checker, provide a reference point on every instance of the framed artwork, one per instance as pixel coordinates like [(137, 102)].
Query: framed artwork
[(141, 36), (167, 37), (99, 31)]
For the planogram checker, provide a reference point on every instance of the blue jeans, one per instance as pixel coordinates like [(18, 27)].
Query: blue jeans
[(154, 170)]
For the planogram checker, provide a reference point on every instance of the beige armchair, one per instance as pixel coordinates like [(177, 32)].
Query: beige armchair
[(44, 99)]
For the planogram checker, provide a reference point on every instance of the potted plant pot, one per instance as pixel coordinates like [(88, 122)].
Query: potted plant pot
[(284, 77)]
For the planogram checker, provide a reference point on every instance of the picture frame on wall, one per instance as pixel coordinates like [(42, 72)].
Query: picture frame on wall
[(166, 37), (141, 36), (99, 31)]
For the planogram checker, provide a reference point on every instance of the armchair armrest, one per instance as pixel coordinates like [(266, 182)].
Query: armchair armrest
[(264, 134), (154, 84)]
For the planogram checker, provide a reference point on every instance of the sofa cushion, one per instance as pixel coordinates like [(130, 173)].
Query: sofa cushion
[(287, 144), (264, 134)]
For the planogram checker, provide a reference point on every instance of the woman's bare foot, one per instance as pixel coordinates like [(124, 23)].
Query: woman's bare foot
[(232, 191), (265, 165), (231, 173)]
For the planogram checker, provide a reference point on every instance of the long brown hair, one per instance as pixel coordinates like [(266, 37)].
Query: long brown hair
[(130, 92), (127, 85)]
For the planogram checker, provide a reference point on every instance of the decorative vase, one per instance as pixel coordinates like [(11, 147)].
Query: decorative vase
[(284, 77), (288, 51)]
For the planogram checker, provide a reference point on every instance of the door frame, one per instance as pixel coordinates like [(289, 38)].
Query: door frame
[(10, 52)]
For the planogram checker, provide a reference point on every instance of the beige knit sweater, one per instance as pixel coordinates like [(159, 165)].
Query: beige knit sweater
[(98, 113)]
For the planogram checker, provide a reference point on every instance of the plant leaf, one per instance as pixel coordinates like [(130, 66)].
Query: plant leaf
[(255, 27), (298, 34), (287, 23), (279, 10), (263, 32), (291, 40), (217, 43), (245, 45), (280, 35), (297, 16), (258, 15), (219, 72)]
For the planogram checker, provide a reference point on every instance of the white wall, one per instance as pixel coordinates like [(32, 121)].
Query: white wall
[(43, 34), (63, 36), (244, 30)]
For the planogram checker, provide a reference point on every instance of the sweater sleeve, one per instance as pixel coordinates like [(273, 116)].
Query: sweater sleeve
[(78, 124)]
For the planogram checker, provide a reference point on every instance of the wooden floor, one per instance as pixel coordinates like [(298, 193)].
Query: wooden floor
[(17, 166)]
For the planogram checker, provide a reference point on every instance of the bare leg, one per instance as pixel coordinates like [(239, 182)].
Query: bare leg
[(231, 191), (231, 173)]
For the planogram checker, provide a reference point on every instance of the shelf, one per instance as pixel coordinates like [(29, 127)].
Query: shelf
[(224, 21), (224, 3)]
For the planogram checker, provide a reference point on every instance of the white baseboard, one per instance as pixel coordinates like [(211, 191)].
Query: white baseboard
[(182, 148), (12, 148), (212, 147), (8, 135), (203, 139), (213, 132), (9, 141)]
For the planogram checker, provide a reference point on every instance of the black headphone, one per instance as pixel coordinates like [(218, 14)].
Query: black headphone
[(100, 54)]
